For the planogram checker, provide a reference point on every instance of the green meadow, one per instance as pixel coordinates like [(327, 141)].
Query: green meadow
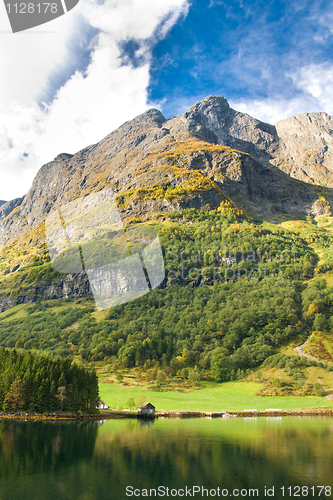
[(227, 396)]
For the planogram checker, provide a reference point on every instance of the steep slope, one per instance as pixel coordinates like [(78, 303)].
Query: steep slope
[(259, 305)]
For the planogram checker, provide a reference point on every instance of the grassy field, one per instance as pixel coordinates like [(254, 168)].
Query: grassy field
[(229, 396)]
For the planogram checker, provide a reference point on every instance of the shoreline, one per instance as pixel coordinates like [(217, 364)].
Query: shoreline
[(165, 414)]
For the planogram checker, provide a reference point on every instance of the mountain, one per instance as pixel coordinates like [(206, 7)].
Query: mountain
[(242, 211), (208, 158), (211, 156)]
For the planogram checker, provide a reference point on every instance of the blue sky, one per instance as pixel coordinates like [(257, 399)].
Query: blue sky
[(68, 84), (243, 50)]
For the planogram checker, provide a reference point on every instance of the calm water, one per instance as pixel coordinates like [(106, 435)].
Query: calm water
[(96, 460)]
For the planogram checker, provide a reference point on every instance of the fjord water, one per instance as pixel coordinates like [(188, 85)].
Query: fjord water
[(97, 460)]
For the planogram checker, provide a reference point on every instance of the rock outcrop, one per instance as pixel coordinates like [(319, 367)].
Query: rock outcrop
[(73, 286)]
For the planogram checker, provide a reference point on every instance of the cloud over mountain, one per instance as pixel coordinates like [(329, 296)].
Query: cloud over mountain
[(93, 101)]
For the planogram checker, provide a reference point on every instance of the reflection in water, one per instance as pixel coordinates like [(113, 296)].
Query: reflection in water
[(37, 445), (31, 450), (89, 461), (146, 422)]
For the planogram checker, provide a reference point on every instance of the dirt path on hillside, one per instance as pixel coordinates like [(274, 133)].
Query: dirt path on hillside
[(301, 352)]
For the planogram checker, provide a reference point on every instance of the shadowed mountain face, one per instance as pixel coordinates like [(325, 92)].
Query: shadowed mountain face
[(209, 157)]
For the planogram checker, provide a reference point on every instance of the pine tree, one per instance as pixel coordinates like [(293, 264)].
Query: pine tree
[(61, 396), (13, 399)]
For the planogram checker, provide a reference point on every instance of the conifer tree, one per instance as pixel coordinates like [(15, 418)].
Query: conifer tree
[(13, 399)]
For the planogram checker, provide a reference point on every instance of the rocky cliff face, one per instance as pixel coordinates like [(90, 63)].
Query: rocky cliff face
[(73, 286), (211, 156), (306, 147)]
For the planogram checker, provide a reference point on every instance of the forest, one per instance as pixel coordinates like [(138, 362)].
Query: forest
[(39, 383)]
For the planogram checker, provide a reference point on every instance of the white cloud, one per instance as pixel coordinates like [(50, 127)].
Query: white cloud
[(316, 81), (26, 58), (313, 93), (89, 105), (271, 110), (124, 19)]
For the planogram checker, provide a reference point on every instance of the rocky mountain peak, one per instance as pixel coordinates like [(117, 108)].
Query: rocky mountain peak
[(211, 110), (63, 156), (216, 119), (152, 115)]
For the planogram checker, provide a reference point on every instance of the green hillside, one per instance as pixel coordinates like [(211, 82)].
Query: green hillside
[(238, 293)]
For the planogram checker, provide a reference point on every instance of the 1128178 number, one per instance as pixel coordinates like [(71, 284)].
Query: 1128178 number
[(306, 491), (32, 8)]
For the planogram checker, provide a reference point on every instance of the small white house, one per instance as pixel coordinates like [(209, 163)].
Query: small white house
[(102, 405), (147, 408)]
